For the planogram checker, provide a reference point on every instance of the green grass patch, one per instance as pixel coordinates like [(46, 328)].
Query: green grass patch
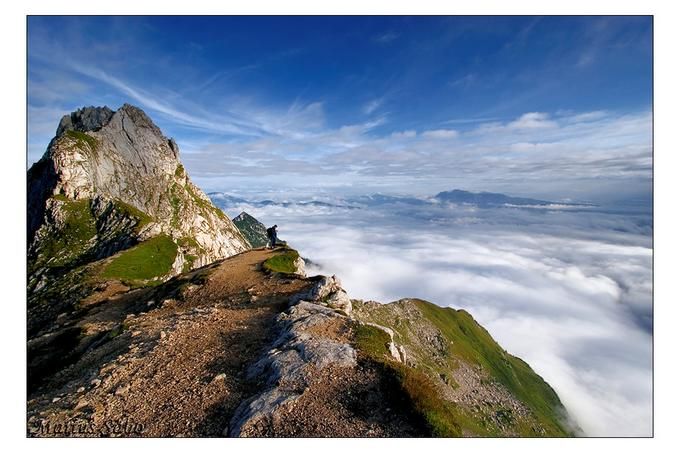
[(283, 262), (371, 340), (83, 140), (189, 242), (149, 260), (443, 418), (439, 416), (189, 262)]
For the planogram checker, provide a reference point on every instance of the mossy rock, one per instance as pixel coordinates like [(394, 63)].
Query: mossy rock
[(83, 141), (64, 248)]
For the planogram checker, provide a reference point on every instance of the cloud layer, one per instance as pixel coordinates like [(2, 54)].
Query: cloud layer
[(569, 292)]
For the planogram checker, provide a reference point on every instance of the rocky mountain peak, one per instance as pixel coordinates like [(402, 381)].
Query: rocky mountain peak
[(243, 216), (110, 181)]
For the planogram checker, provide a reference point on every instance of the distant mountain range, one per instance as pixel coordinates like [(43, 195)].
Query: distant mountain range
[(490, 199), (226, 201), (453, 197)]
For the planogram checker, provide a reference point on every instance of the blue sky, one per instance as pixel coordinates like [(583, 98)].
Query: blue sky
[(542, 106)]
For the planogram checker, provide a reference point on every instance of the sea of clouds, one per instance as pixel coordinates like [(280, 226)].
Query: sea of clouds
[(567, 290)]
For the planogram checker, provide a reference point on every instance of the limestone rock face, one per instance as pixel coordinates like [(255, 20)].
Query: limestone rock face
[(114, 180)]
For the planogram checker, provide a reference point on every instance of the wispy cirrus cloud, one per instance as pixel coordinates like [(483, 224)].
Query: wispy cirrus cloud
[(387, 37), (223, 124), (372, 105)]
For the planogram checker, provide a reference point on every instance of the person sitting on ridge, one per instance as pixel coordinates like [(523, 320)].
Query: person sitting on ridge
[(271, 234)]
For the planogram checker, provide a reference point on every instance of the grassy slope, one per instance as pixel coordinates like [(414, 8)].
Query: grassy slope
[(150, 259), (470, 342), (443, 419)]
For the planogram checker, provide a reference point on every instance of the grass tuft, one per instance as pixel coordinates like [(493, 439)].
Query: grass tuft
[(130, 211), (283, 262)]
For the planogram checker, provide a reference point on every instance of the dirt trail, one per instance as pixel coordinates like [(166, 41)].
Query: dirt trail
[(177, 368)]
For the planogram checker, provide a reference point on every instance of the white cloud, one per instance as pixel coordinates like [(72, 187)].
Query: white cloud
[(440, 134), (386, 37), (532, 147), (372, 106), (584, 156), (532, 120), (403, 134)]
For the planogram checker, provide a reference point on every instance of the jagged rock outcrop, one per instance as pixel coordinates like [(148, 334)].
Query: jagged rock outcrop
[(327, 291)]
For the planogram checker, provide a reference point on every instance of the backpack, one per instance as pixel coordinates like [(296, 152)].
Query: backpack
[(270, 231)]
